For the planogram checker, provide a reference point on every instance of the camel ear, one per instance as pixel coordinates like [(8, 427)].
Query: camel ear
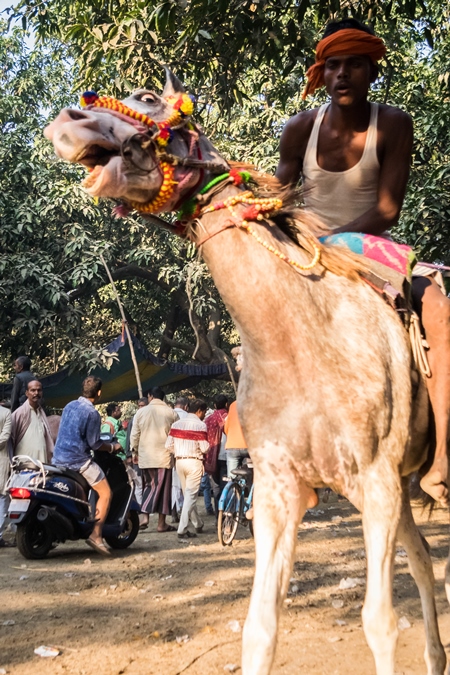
[(173, 85)]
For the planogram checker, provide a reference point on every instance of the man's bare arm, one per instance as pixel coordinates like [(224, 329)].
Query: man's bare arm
[(393, 179), (294, 140)]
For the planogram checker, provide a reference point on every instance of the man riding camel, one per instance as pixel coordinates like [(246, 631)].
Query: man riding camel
[(353, 157)]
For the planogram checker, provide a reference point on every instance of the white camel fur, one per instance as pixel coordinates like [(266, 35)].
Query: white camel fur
[(325, 397)]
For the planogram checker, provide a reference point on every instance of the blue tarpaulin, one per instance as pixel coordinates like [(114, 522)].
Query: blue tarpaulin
[(119, 382)]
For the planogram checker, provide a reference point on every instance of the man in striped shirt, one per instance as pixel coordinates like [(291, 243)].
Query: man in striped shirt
[(188, 441)]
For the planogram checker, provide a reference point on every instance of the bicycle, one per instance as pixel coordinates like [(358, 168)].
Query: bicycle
[(235, 501)]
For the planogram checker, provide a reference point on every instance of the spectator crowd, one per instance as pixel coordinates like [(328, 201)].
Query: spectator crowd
[(172, 453)]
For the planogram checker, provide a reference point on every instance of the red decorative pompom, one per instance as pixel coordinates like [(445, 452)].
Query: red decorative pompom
[(88, 98), (121, 211), (251, 213), (236, 176)]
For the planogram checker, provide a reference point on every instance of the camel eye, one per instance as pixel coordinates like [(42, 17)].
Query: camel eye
[(147, 98)]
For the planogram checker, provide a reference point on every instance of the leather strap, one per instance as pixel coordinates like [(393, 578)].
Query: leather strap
[(218, 230)]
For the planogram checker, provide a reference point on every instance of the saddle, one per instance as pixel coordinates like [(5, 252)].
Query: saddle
[(391, 269)]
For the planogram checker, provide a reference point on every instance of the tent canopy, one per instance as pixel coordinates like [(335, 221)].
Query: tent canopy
[(119, 382)]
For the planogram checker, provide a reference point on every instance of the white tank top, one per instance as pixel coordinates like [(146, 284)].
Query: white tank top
[(338, 197)]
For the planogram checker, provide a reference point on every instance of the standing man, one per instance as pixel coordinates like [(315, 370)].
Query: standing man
[(151, 426), (22, 367), (215, 466), (112, 425), (31, 434), (353, 157), (181, 407), (132, 459), (236, 447), (142, 402), (79, 433), (5, 433), (188, 441)]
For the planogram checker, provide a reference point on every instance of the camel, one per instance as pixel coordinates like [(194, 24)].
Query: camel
[(329, 394)]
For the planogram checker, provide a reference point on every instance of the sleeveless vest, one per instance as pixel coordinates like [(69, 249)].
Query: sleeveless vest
[(338, 197)]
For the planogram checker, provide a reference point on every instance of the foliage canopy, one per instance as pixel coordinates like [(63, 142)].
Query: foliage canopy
[(245, 60)]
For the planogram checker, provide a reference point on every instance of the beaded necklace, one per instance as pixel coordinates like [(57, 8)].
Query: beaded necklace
[(257, 209), (192, 208), (260, 209)]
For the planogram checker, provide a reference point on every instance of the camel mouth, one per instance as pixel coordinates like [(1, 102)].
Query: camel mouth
[(90, 180), (96, 155)]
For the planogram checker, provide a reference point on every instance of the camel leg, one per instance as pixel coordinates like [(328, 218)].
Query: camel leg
[(421, 569), (280, 501), (381, 514)]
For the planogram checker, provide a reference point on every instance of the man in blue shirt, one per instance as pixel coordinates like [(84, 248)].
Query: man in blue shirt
[(79, 433)]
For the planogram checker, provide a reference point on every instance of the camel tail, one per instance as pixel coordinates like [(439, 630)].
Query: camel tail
[(419, 496)]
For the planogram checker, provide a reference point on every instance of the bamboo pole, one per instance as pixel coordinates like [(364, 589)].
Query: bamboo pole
[(125, 323)]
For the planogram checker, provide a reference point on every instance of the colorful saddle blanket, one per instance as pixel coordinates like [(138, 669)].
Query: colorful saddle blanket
[(398, 257), (390, 264)]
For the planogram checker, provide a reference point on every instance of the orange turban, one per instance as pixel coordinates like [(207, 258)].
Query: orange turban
[(346, 41)]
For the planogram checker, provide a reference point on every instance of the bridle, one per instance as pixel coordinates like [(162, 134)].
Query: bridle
[(157, 135), (195, 203)]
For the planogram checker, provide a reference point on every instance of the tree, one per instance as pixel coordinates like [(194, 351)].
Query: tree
[(246, 62), (214, 44)]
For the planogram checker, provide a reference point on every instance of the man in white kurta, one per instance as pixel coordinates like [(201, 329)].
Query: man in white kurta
[(30, 431), (188, 441)]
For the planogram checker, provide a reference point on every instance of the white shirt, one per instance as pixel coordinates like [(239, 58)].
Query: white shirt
[(151, 425), (188, 447), (338, 197)]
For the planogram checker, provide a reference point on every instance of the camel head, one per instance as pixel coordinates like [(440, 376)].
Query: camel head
[(126, 146)]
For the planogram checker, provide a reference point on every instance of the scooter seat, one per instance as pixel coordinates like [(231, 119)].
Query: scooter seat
[(78, 478), (74, 475)]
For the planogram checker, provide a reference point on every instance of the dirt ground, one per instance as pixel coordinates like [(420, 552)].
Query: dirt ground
[(164, 607)]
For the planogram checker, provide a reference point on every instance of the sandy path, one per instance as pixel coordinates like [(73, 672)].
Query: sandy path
[(124, 615)]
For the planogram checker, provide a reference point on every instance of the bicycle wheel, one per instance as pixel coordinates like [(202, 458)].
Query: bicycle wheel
[(228, 520)]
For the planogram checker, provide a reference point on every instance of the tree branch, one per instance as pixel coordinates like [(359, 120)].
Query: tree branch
[(174, 319), (183, 346), (131, 271)]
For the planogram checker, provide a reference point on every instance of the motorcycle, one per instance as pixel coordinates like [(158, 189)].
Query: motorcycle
[(50, 504)]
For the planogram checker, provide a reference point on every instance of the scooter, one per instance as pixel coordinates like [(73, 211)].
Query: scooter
[(50, 504)]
